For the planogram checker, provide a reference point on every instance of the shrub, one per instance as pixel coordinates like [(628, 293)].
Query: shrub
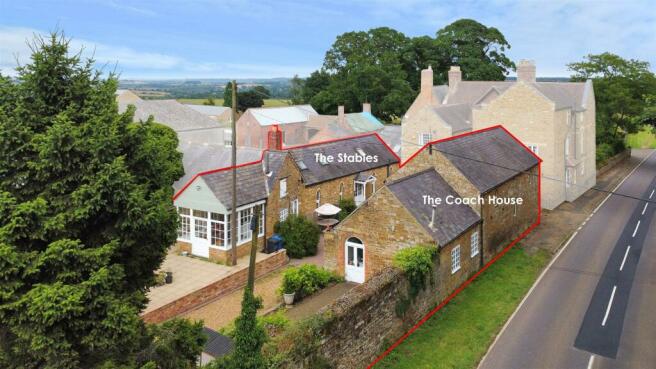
[(417, 263), (604, 152), (301, 236), (306, 280), (347, 205)]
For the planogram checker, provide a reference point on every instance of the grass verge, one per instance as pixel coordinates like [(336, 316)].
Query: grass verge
[(267, 102), (458, 336), (643, 139)]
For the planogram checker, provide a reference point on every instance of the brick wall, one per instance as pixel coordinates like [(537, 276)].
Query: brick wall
[(221, 255), (217, 289)]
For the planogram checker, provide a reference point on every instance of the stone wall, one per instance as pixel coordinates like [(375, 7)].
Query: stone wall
[(217, 289), (364, 322), (614, 161)]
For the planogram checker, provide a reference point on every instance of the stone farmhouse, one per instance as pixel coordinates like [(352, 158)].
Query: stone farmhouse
[(282, 182), (481, 164), (554, 119)]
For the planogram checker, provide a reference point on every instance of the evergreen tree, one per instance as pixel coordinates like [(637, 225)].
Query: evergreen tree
[(85, 218), (227, 95)]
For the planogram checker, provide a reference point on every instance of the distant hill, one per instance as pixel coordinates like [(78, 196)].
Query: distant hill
[(201, 88)]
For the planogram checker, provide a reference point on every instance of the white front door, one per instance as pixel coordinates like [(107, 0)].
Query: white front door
[(359, 193), (200, 243), (354, 263)]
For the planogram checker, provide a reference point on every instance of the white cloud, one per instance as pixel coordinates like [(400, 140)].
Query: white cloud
[(131, 63)]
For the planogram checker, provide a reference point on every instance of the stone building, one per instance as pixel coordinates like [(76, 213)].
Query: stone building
[(287, 181), (395, 218), (254, 125), (554, 119), (468, 168)]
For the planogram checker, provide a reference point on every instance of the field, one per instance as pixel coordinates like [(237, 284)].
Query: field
[(644, 139), (459, 335), (267, 102)]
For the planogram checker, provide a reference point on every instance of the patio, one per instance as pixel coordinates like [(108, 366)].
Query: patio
[(195, 281)]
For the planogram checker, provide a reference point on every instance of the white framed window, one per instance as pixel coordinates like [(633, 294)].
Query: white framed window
[(455, 259), (318, 198), (295, 206), (283, 214), (474, 244), (424, 138), (534, 148), (227, 137), (184, 229), (219, 230), (283, 187), (567, 146), (341, 191), (244, 226), (200, 224)]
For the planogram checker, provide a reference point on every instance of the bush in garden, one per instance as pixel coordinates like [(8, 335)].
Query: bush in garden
[(301, 236), (347, 205), (306, 280)]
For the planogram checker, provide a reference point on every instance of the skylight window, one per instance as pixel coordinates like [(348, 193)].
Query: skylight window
[(360, 151), (302, 165)]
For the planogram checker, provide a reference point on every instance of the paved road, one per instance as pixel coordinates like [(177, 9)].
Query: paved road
[(595, 306)]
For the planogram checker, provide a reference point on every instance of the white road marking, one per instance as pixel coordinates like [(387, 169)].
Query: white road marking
[(636, 229), (610, 303), (652, 193), (548, 267), (591, 361), (625, 255), (645, 208)]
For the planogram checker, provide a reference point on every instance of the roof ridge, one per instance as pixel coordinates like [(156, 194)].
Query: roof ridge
[(413, 175)]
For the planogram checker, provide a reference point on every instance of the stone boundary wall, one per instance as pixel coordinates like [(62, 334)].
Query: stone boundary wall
[(363, 322), (216, 289), (614, 161)]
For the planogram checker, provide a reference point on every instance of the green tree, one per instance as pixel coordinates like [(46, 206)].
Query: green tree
[(227, 95), (262, 91), (249, 99), (621, 89), (296, 90), (477, 49), (209, 101), (85, 217)]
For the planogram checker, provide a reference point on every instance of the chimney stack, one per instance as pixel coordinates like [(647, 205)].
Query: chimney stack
[(275, 138), (427, 81), (526, 70), (366, 108), (455, 76), (340, 113)]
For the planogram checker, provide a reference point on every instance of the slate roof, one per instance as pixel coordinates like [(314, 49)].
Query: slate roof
[(208, 109), (251, 185), (316, 172), (197, 158), (170, 113), (458, 116), (217, 345), (487, 158), (282, 115), (276, 159), (450, 220), (562, 94), (391, 134)]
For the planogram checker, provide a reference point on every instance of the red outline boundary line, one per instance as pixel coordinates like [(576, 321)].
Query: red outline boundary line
[(402, 164), (487, 265)]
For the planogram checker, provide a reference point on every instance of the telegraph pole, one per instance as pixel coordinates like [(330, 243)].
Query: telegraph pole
[(255, 228), (234, 220)]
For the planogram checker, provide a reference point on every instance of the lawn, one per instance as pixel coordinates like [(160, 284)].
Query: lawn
[(458, 336), (267, 102), (644, 139)]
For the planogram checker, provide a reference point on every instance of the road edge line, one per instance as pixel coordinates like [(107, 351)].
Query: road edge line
[(562, 248)]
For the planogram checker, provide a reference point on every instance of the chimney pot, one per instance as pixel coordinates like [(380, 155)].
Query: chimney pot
[(366, 108), (526, 70)]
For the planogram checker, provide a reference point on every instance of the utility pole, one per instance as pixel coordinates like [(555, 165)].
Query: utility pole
[(255, 227), (234, 220)]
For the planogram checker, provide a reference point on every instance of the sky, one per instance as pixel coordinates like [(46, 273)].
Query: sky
[(265, 39)]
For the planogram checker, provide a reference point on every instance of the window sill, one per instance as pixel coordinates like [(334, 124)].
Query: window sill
[(455, 271)]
